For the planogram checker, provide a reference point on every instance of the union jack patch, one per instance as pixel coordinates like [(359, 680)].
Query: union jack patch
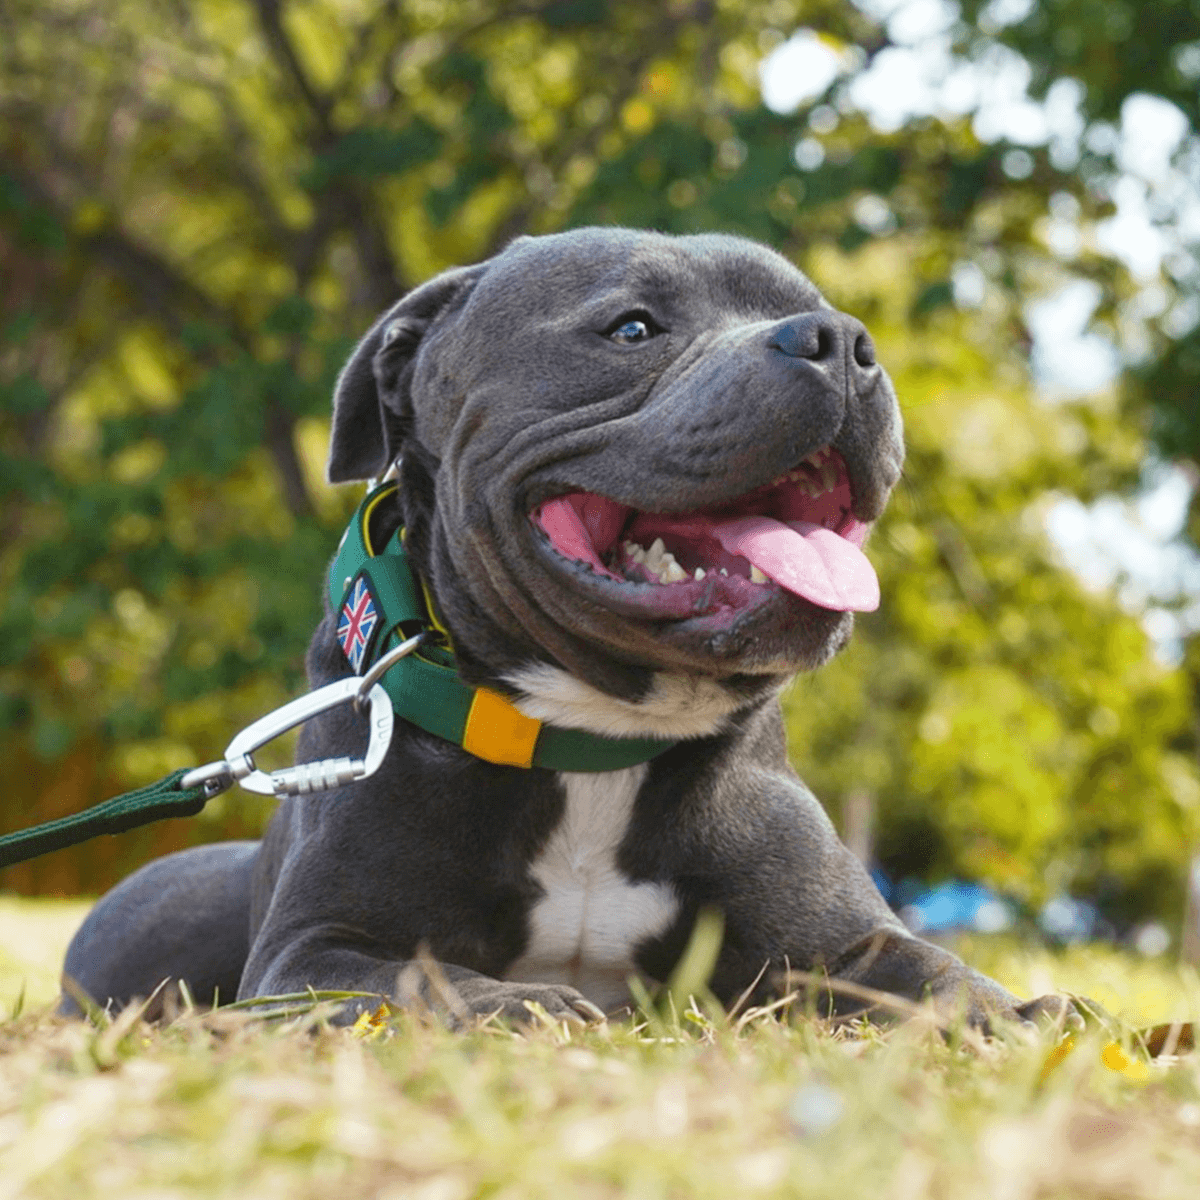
[(359, 616)]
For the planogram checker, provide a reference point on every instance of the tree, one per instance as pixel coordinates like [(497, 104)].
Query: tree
[(196, 222)]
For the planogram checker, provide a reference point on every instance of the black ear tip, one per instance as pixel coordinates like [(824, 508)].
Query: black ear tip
[(353, 467), (357, 447), (368, 424)]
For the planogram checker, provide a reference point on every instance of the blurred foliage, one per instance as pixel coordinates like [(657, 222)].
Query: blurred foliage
[(1010, 726), (202, 205)]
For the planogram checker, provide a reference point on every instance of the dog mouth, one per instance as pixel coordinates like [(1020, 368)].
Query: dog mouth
[(795, 534)]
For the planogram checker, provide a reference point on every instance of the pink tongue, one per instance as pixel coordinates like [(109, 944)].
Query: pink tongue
[(576, 524), (809, 560)]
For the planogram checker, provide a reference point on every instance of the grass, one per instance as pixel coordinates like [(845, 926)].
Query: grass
[(678, 1106), (33, 936)]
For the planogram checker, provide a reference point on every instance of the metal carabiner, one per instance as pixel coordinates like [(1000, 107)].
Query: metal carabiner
[(238, 766), (315, 776)]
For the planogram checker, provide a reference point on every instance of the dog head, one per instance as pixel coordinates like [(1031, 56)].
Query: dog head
[(630, 458)]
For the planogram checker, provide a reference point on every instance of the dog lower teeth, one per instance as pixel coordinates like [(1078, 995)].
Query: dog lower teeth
[(660, 562)]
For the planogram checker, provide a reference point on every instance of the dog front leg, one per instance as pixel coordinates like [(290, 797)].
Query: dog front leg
[(900, 964), (817, 911), (323, 961)]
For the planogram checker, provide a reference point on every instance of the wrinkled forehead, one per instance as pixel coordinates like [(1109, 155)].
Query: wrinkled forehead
[(604, 267)]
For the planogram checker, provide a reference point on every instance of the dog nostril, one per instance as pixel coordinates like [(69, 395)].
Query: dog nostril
[(823, 338)]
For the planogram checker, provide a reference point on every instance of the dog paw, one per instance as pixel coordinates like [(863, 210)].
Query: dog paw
[(917, 970), (984, 1005), (469, 998), (519, 1003), (1055, 1011), (988, 1008)]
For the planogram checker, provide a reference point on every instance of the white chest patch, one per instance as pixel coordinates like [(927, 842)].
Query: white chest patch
[(677, 706), (584, 930)]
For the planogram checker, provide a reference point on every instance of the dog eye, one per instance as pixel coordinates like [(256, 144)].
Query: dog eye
[(633, 327)]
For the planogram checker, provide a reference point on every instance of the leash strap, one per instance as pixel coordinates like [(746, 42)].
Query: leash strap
[(380, 602), (139, 807), (184, 793)]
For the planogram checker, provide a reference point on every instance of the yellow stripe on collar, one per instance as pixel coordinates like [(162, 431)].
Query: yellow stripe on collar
[(431, 608), (364, 517)]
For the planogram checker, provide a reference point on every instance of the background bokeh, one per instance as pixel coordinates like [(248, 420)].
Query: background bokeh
[(202, 204)]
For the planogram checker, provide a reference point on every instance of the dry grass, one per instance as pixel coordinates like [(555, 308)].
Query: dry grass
[(33, 936), (231, 1105)]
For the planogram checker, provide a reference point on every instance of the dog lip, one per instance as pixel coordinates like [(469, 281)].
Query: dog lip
[(677, 612), (547, 487)]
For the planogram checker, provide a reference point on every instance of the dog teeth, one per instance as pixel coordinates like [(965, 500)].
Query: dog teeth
[(667, 569), (661, 563), (756, 576), (815, 475), (658, 560)]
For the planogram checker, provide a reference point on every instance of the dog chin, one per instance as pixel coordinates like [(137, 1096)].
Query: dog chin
[(733, 669), (783, 636), (674, 706)]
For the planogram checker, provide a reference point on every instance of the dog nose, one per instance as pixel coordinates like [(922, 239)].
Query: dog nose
[(823, 338)]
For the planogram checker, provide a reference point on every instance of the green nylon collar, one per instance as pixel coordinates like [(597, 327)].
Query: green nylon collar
[(424, 687)]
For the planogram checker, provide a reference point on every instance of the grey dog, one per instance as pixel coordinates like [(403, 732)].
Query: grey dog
[(636, 474)]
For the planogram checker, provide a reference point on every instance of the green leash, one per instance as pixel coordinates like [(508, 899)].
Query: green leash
[(184, 793), (139, 807), (404, 666)]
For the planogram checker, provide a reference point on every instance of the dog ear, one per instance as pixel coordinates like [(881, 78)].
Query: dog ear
[(367, 429)]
